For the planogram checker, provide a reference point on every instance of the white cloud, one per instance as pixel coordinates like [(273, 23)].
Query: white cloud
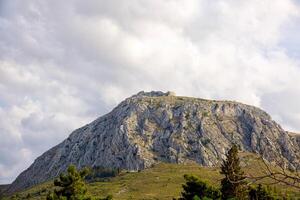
[(63, 63)]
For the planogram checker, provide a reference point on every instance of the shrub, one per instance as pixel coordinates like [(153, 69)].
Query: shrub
[(195, 188), (100, 173), (260, 193)]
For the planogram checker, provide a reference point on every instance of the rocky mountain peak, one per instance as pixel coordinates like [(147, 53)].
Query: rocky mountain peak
[(152, 127), (142, 94)]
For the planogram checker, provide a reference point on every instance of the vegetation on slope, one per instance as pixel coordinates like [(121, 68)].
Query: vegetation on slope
[(163, 181)]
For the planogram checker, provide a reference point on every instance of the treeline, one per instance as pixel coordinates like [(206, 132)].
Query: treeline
[(101, 173)]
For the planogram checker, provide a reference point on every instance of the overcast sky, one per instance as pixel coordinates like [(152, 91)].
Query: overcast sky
[(65, 62)]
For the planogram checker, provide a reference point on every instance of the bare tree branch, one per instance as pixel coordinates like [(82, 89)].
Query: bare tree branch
[(280, 175), (277, 175)]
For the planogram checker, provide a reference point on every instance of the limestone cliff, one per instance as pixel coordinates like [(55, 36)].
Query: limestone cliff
[(152, 127)]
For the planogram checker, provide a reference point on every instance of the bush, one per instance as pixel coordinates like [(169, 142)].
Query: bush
[(195, 188), (260, 193)]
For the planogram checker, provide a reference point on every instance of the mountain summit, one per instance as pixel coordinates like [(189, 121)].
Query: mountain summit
[(152, 127)]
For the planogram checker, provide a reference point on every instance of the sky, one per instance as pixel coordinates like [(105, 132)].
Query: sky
[(65, 63)]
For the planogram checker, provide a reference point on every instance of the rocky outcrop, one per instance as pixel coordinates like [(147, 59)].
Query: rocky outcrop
[(152, 127)]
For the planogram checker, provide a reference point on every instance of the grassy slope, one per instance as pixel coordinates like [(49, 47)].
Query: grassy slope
[(163, 181)]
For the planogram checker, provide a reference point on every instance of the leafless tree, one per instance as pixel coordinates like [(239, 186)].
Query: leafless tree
[(277, 173)]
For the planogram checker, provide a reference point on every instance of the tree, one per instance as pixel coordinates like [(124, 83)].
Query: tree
[(233, 184), (278, 175), (260, 193), (71, 185), (194, 188), (99, 173)]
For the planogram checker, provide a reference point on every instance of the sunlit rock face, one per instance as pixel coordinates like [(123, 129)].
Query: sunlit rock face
[(152, 127)]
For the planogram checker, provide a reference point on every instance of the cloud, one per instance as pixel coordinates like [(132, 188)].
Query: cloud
[(64, 63)]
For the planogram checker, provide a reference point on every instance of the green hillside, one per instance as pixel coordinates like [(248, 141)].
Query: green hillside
[(162, 181)]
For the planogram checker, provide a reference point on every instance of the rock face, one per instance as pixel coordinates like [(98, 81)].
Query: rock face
[(152, 127)]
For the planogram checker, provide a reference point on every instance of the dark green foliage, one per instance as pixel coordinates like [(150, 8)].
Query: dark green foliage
[(233, 184), (28, 196), (196, 198), (101, 173), (15, 197), (260, 193), (71, 186), (195, 189)]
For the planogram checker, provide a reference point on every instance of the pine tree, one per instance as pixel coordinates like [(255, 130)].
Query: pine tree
[(71, 185), (233, 184)]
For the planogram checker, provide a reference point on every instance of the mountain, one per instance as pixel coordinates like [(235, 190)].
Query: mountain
[(152, 127), (3, 188)]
